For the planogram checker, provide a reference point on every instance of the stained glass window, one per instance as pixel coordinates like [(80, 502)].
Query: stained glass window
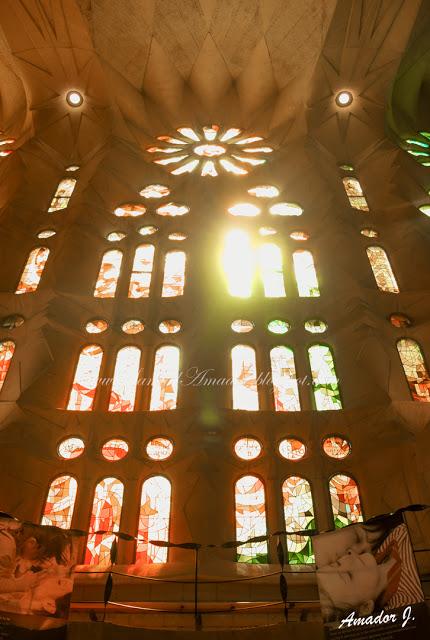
[(169, 326), (174, 274), (272, 275), (284, 380), (125, 377), (336, 447), (155, 191), (299, 516), (178, 236), (86, 379), (165, 379), (415, 369), (278, 326), (324, 379), (264, 191), (250, 501), (159, 448), (115, 236), (96, 326), (286, 209), (382, 270), (267, 231), (400, 320), (316, 326), (148, 230), (244, 375), (245, 209), (130, 211), (71, 448), (105, 516), (154, 516), (114, 450), (172, 209), (133, 326), (108, 275), (242, 326), (292, 449), (300, 236), (247, 448), (306, 277), (140, 280), (369, 233), (345, 501), (62, 195), (60, 502), (238, 263), (33, 270), (46, 233), (355, 194), (7, 349)]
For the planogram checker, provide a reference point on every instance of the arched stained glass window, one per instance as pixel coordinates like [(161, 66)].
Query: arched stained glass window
[(284, 380), (415, 369), (165, 379), (154, 516), (140, 280), (306, 276), (345, 501), (86, 379), (7, 349), (174, 274), (381, 267), (125, 377), (62, 195), (299, 516), (250, 506), (105, 516), (108, 275), (238, 263), (355, 194), (244, 378), (272, 275), (33, 270), (324, 379), (58, 511)]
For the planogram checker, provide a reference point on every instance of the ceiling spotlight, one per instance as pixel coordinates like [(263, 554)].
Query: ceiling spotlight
[(343, 98), (74, 98)]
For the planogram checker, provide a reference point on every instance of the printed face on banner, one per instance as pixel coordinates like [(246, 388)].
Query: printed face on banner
[(36, 575), (364, 570)]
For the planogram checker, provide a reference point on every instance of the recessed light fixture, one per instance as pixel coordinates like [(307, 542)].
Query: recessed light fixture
[(343, 98), (74, 98)]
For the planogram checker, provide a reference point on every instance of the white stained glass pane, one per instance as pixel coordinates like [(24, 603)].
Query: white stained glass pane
[(62, 195), (284, 379), (306, 277), (165, 379), (382, 271), (108, 275), (270, 263), (33, 270), (125, 378), (140, 280), (238, 263), (174, 274), (154, 519), (324, 379), (244, 374), (86, 379), (250, 502)]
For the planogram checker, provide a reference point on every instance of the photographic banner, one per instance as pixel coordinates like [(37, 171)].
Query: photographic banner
[(36, 579), (368, 582)]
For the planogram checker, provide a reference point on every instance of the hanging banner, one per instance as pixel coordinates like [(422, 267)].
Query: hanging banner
[(36, 579), (368, 582)]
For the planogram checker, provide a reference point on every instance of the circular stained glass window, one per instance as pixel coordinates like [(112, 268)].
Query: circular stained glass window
[(242, 326), (369, 233), (400, 320), (300, 236), (315, 326), (159, 448), (115, 236), (130, 210), (133, 326), (336, 447), (172, 209), (278, 326), (292, 449), (286, 209), (71, 448), (96, 326), (155, 191), (148, 230), (114, 450), (177, 236), (264, 191), (46, 233), (169, 326), (247, 448), (267, 231)]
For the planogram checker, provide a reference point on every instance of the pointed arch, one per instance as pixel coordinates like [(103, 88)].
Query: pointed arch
[(105, 516), (33, 270), (107, 279), (271, 270), (415, 369), (299, 516), (174, 274), (165, 379), (305, 273), (140, 280), (244, 378), (154, 519), (60, 502), (86, 378), (250, 517), (345, 500), (325, 384), (284, 379), (125, 377)]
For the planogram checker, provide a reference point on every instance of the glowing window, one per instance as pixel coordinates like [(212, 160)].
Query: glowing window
[(324, 379), (382, 270), (96, 326), (306, 277), (300, 236), (178, 236), (264, 191), (148, 230), (105, 516), (345, 501), (154, 518), (130, 211), (250, 501), (284, 380), (400, 320), (292, 449), (238, 263), (369, 233), (7, 349), (242, 326), (165, 379), (62, 195), (315, 326), (174, 274), (140, 280), (115, 236), (169, 326), (355, 194), (114, 450), (159, 448), (286, 209), (272, 275), (58, 511), (299, 516), (415, 369), (172, 209), (155, 191), (46, 233), (108, 275), (132, 327), (125, 377), (245, 209), (247, 448), (336, 447), (33, 270), (86, 379), (267, 231), (71, 448), (244, 374), (278, 326)]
